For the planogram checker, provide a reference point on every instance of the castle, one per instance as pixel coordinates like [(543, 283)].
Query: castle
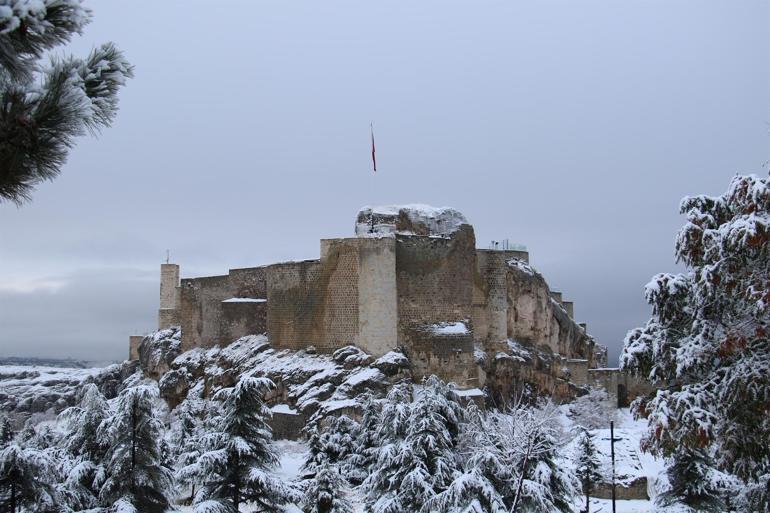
[(411, 279)]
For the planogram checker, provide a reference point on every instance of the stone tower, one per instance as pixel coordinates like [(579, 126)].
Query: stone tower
[(168, 315)]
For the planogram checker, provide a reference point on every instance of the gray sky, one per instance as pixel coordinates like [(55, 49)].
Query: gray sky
[(571, 127)]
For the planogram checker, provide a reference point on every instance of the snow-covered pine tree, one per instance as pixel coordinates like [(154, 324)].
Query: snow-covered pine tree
[(542, 485), (706, 345), (592, 410), (694, 485), (366, 442), (83, 421), (333, 445), (236, 465), (486, 479), (187, 432), (587, 464), (26, 480), (43, 109), (134, 470), (6, 432), (325, 492), (83, 463), (410, 472)]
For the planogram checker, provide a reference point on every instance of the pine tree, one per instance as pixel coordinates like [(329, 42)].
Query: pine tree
[(236, 465), (410, 472), (6, 432), (334, 445), (83, 423), (134, 470), (83, 467), (587, 464), (325, 492), (187, 434), (706, 346), (694, 485), (25, 480), (366, 442), (542, 485), (42, 110), (486, 482)]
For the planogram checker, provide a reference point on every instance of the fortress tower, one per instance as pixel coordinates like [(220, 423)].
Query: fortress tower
[(168, 314)]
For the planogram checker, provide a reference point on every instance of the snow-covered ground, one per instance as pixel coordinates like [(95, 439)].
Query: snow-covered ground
[(37, 389)]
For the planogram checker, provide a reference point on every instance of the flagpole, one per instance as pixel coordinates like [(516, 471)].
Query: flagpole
[(374, 173)]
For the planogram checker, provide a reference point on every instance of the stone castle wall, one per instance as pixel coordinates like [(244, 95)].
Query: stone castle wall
[(208, 318), (434, 279), (390, 290)]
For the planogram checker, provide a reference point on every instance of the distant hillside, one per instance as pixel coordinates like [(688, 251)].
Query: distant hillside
[(65, 363)]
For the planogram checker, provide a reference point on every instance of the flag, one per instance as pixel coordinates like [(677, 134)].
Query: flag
[(374, 159)]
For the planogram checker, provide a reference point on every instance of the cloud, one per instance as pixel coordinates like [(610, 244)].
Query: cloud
[(88, 314)]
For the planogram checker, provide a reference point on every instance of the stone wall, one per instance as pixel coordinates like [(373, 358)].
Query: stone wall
[(621, 387), (434, 280), (208, 319), (294, 314), (490, 298), (377, 296)]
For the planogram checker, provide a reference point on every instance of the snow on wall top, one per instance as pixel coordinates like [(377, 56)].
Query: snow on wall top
[(415, 219)]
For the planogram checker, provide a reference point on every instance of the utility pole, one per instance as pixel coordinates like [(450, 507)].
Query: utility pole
[(612, 452)]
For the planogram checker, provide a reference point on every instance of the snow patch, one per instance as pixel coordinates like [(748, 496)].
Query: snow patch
[(449, 328), (245, 300)]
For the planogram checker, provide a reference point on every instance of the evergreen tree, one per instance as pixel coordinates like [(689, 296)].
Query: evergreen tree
[(587, 464), (694, 485), (83, 469), (486, 483), (236, 465), (706, 345), (366, 442), (410, 472), (83, 423), (43, 109), (26, 480), (134, 470), (187, 434), (334, 445), (6, 432), (542, 485), (325, 492)]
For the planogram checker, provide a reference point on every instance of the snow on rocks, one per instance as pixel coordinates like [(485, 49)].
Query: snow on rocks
[(306, 382), (449, 328), (521, 265), (392, 363), (26, 391), (415, 219)]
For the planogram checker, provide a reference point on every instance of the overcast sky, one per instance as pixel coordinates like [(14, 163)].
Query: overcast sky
[(571, 127)]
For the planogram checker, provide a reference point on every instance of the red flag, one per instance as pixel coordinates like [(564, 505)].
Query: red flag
[(374, 159)]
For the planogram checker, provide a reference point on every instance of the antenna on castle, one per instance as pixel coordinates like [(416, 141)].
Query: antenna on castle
[(168, 256)]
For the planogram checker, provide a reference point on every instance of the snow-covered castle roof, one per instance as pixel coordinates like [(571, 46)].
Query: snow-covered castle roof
[(415, 219)]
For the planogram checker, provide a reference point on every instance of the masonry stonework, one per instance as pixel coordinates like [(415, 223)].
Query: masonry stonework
[(411, 280)]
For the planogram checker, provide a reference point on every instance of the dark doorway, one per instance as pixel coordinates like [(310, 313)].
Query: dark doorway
[(622, 396)]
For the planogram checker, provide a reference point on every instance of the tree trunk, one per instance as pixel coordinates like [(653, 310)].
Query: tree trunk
[(133, 447), (521, 479), (13, 497)]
